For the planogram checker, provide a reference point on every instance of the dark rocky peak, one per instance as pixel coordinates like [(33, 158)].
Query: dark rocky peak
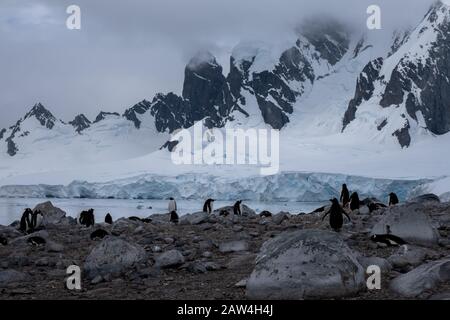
[(398, 39), (171, 112), (44, 116), (2, 133), (80, 123), (361, 46), (330, 38), (102, 115), (139, 108), (365, 86)]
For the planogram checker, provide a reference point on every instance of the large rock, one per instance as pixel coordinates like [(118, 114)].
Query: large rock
[(112, 256), (169, 259), (9, 232), (246, 211), (11, 276), (305, 264), (408, 222), (410, 256), (195, 218), (425, 277), (430, 197), (52, 214), (124, 225)]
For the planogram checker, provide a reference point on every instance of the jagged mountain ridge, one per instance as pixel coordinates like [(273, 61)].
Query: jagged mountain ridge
[(278, 84)]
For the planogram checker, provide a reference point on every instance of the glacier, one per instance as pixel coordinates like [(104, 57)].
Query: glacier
[(283, 187)]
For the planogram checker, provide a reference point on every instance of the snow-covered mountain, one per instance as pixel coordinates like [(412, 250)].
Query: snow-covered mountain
[(344, 102)]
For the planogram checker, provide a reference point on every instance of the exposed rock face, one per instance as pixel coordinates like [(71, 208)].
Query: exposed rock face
[(80, 123), (11, 276), (111, 257), (102, 115), (133, 113), (408, 222), (417, 83), (425, 277), (425, 198), (303, 265), (45, 117)]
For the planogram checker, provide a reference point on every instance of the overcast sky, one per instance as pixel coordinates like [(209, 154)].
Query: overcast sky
[(129, 50)]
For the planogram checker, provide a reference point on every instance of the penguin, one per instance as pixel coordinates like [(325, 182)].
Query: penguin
[(208, 206), (265, 214), (30, 220), (354, 201), (146, 220), (224, 213), (336, 218), (393, 199), (25, 220), (3, 241), (172, 205), (86, 218), (36, 241), (388, 239), (99, 234), (237, 208), (108, 219), (345, 195), (174, 217), (137, 219)]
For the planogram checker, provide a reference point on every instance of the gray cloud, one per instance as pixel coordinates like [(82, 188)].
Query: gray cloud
[(129, 50)]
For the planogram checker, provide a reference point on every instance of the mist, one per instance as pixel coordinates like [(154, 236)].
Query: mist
[(127, 51)]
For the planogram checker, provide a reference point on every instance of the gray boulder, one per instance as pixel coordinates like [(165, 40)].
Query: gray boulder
[(425, 277), (280, 217), (112, 256), (9, 232), (430, 197), (408, 222), (246, 211), (52, 214), (195, 218), (11, 276), (410, 256), (305, 264), (169, 259), (124, 225), (384, 264)]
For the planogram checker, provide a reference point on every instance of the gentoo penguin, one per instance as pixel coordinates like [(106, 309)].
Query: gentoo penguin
[(99, 234), (336, 218), (36, 241), (30, 220), (174, 217), (345, 195), (393, 199), (208, 206), (224, 213), (172, 205), (354, 201), (265, 214), (388, 239), (237, 208), (86, 218), (137, 219), (108, 219), (3, 241)]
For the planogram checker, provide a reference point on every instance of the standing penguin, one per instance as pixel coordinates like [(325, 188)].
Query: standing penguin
[(208, 206), (108, 219), (354, 201), (30, 220), (25, 220), (336, 218), (345, 195), (86, 218), (393, 199), (237, 208), (172, 205)]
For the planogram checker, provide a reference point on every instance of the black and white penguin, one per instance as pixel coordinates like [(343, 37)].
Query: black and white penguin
[(237, 208), (174, 217), (36, 241), (265, 214), (224, 213), (208, 206), (146, 220), (137, 219), (99, 234), (30, 220), (336, 218), (108, 219), (172, 205), (345, 195), (86, 218), (3, 241), (354, 201), (393, 199), (388, 239)]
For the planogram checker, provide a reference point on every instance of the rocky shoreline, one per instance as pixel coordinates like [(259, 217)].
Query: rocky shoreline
[(282, 256)]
